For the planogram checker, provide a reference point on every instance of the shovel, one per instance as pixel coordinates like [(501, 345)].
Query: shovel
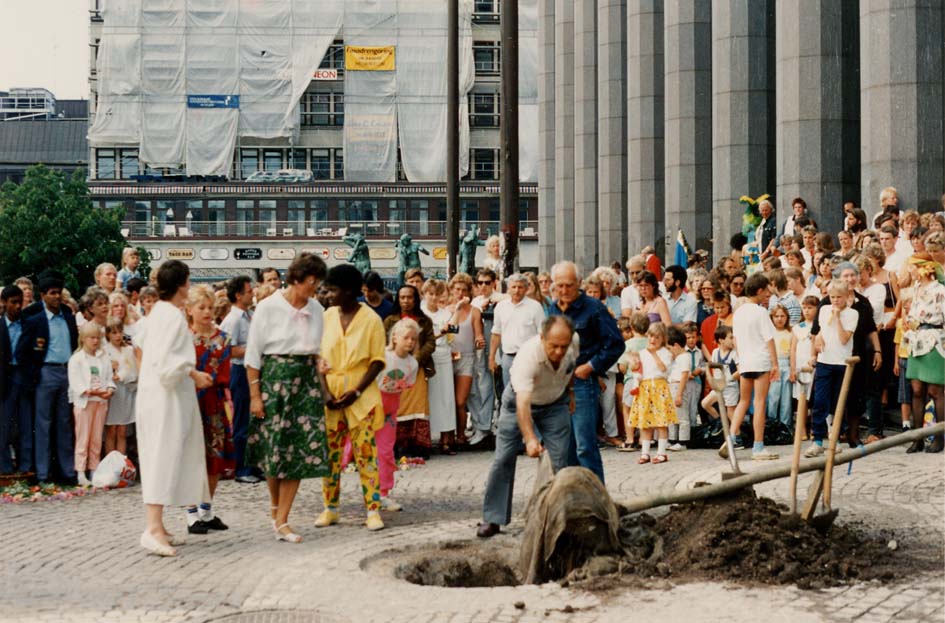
[(824, 479), (798, 430), (717, 383)]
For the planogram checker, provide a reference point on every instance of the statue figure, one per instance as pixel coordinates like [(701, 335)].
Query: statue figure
[(467, 250), (409, 253), (360, 256)]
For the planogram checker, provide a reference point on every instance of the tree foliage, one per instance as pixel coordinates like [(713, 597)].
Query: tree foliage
[(48, 221)]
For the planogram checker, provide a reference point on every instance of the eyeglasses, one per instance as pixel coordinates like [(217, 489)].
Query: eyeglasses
[(484, 283), (738, 283)]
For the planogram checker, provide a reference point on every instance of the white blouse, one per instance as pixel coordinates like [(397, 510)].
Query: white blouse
[(277, 328)]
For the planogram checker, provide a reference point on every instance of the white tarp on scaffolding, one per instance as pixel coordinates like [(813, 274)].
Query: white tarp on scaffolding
[(183, 79), (528, 90), (370, 130)]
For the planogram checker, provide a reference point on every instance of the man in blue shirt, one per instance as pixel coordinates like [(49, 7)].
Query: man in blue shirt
[(48, 340), (600, 346), (683, 307), (16, 400)]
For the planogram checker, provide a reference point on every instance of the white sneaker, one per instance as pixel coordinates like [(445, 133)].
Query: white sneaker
[(676, 447), (83, 481), (477, 437), (388, 504), (764, 455), (813, 450)]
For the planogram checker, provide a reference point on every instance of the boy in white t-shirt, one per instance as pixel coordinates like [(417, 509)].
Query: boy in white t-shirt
[(834, 345), (678, 378), (758, 363)]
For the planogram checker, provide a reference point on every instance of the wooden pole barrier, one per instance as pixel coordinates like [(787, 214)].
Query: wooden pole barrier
[(636, 505)]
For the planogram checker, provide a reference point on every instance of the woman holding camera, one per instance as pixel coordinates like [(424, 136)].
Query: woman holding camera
[(440, 385)]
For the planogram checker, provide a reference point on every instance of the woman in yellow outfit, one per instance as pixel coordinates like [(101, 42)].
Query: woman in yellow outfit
[(353, 354)]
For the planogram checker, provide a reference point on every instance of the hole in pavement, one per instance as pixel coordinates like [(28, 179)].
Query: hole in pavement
[(453, 564)]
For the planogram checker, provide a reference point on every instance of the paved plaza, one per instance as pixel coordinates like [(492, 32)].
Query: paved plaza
[(78, 560)]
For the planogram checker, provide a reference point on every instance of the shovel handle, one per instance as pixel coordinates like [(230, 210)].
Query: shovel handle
[(835, 428)]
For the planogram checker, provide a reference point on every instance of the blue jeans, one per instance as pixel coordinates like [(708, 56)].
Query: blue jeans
[(239, 391), (52, 412), (552, 424), (506, 363), (481, 402), (779, 395), (17, 408), (584, 450), (827, 381)]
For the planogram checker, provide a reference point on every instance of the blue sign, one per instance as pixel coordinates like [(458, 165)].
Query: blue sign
[(213, 101)]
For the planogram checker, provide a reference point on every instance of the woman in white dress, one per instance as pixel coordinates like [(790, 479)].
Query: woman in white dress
[(170, 432), (440, 387)]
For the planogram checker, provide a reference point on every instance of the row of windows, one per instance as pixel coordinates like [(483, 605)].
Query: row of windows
[(327, 108), (324, 163), (485, 54)]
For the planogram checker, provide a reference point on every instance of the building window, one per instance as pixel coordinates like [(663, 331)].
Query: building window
[(484, 164), (335, 56), (319, 216), (484, 110), (357, 211), (420, 212), (321, 164), (494, 210), (105, 164), (216, 217), (249, 162), (522, 210), (323, 108), (297, 159), (469, 212), (397, 210), (338, 164), (486, 57), (129, 163), (267, 215), (142, 225), (295, 215), (244, 216), (486, 6), (272, 160)]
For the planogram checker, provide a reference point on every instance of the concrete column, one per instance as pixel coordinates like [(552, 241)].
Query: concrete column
[(645, 186), (611, 131), (743, 111), (564, 130), (815, 71), (688, 113), (546, 133), (901, 97), (585, 135)]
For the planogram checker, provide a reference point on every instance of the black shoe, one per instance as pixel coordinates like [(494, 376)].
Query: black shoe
[(936, 446), (487, 530), (214, 524), (198, 527), (248, 479), (917, 446)]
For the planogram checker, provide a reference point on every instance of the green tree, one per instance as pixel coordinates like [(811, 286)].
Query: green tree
[(48, 221)]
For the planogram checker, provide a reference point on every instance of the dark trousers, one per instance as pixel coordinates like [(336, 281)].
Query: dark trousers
[(239, 391), (827, 381), (53, 416), (552, 425), (16, 413)]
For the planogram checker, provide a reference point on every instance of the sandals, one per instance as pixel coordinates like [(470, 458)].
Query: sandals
[(290, 537), (644, 458), (660, 458), (626, 447)]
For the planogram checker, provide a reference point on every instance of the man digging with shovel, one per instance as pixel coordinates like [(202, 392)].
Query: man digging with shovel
[(538, 397)]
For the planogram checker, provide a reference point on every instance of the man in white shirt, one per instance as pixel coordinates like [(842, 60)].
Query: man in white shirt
[(482, 395), (682, 306), (538, 396), (239, 290), (630, 297), (895, 258), (516, 319)]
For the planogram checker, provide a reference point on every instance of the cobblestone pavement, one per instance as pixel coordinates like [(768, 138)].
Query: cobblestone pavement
[(78, 560)]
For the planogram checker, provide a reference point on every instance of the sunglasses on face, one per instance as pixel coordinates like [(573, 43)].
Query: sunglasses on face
[(738, 283), (484, 283)]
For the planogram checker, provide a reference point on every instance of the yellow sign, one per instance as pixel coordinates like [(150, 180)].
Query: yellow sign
[(179, 254), (373, 58), (440, 253)]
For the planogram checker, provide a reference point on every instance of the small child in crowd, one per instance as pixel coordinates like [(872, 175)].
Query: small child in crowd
[(147, 299), (904, 395), (780, 393), (399, 375), (632, 370), (653, 407), (90, 387), (803, 357), (678, 380), (758, 363), (834, 344), (725, 355), (124, 369)]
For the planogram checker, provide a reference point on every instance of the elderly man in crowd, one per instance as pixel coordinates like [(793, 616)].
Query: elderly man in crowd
[(106, 277), (516, 319), (630, 300), (767, 232), (538, 396), (601, 346)]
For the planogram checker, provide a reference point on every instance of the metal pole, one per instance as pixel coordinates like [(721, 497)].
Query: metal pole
[(452, 136), (508, 131)]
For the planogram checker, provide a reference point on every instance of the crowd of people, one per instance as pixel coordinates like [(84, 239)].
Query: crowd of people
[(286, 381)]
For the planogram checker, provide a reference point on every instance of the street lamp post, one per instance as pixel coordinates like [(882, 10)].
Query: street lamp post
[(508, 132), (452, 136)]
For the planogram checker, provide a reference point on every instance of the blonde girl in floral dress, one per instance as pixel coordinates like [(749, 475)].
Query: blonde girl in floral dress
[(213, 357), (653, 407)]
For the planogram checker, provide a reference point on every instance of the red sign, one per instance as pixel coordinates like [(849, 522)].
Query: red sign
[(325, 74)]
